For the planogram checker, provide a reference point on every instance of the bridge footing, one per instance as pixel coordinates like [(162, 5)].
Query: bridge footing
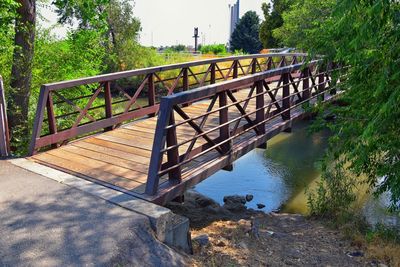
[(228, 168), (171, 229), (263, 146)]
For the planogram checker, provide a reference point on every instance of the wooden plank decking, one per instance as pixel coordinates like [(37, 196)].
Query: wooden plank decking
[(120, 157)]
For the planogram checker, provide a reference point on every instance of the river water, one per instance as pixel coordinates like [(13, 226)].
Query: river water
[(279, 176)]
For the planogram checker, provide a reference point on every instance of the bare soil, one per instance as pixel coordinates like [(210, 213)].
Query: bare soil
[(253, 238)]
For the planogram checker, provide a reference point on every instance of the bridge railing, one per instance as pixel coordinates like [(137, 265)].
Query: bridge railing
[(4, 131), (70, 109), (229, 127)]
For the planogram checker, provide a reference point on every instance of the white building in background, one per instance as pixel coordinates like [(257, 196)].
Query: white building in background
[(234, 17)]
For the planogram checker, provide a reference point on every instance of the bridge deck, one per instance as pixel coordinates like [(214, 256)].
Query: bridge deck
[(120, 158)]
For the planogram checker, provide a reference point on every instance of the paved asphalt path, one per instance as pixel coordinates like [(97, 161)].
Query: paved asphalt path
[(45, 223)]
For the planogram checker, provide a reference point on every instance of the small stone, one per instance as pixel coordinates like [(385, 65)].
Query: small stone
[(355, 254), (202, 240), (243, 245), (235, 199), (235, 203), (249, 197), (270, 233), (221, 242), (292, 253), (260, 206)]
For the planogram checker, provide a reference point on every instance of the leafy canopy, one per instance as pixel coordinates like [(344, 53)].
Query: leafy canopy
[(272, 20), (245, 35), (363, 35), (89, 14)]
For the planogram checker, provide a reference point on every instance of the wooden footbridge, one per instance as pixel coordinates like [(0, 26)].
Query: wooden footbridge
[(155, 132)]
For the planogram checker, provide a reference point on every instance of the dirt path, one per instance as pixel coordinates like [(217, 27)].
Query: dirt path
[(251, 238)]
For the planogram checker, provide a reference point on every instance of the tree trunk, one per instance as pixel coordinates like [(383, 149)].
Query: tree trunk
[(21, 73)]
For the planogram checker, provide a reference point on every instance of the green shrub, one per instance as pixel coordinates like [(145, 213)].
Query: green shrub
[(216, 49), (334, 194)]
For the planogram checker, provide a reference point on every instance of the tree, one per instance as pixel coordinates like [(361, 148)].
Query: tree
[(364, 34), (8, 10), (89, 14), (123, 33), (304, 25), (272, 20), (361, 35), (245, 35), (113, 18), (7, 13), (21, 71)]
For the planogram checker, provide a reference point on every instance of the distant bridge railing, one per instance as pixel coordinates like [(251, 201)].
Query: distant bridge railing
[(229, 127), (4, 131), (70, 109)]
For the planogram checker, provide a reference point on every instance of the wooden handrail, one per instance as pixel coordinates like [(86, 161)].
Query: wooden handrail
[(210, 72), (206, 91), (223, 137), (145, 71)]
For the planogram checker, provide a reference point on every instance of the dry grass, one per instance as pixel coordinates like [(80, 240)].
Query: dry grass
[(230, 245), (384, 251)]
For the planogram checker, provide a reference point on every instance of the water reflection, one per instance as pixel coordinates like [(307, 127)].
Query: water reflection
[(277, 176)]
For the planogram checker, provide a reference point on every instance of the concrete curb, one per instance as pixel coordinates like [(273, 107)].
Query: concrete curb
[(170, 228)]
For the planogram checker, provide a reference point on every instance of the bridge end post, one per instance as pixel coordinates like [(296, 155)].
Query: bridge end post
[(51, 119), (37, 126), (108, 103), (158, 144)]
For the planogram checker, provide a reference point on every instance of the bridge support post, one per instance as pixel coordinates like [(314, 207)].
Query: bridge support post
[(331, 67), (174, 175), (151, 93), (305, 74), (185, 83), (254, 66), (286, 99), (212, 71), (235, 69), (224, 131), (321, 83), (269, 63), (260, 113)]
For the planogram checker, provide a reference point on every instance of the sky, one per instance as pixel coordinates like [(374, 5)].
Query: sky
[(171, 22)]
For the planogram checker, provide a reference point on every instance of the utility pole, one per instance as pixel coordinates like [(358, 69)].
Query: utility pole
[(196, 36)]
